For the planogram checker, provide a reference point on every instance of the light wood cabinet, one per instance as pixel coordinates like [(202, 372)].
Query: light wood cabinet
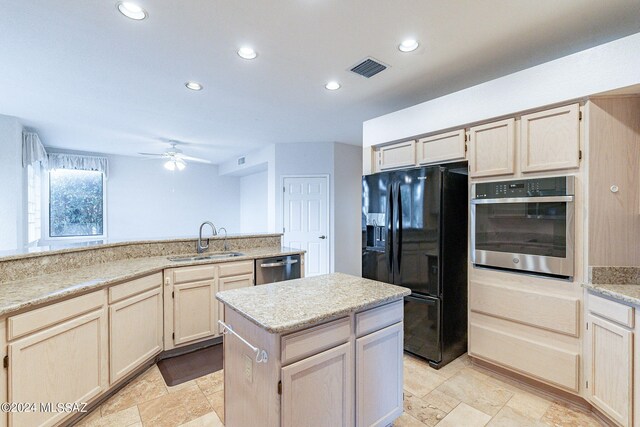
[(611, 369), (191, 311), (492, 148), (379, 361), (234, 282), (550, 140), (195, 311), (66, 362), (399, 155), (441, 148), (135, 332), (317, 391)]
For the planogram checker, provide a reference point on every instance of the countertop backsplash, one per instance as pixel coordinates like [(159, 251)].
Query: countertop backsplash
[(614, 275)]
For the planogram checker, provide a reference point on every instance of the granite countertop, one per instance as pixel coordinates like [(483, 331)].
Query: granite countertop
[(629, 294), (620, 283), (112, 243), (34, 291), (296, 304)]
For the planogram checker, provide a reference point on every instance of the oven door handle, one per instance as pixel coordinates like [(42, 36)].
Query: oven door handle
[(542, 199)]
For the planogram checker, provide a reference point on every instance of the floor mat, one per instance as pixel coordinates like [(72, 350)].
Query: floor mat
[(183, 368)]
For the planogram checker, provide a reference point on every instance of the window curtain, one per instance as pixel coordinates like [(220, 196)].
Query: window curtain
[(75, 161), (32, 150)]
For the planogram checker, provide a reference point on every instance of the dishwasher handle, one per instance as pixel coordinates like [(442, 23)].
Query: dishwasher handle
[(278, 264)]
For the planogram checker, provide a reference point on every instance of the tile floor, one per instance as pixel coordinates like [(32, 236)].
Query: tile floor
[(456, 395)]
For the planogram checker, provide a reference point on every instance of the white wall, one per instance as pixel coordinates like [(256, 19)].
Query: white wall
[(254, 189), (255, 161), (11, 184), (144, 200), (603, 68), (348, 201)]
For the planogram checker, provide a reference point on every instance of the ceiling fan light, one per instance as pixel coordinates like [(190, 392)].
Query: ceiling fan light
[(180, 164), (170, 165)]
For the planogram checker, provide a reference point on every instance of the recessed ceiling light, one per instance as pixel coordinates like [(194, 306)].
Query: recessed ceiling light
[(408, 45), (332, 85), (193, 85), (246, 52), (131, 10)]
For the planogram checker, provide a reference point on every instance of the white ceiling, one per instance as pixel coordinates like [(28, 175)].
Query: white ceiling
[(87, 78)]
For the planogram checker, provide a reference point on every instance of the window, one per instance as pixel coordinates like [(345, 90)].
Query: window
[(34, 202), (76, 203)]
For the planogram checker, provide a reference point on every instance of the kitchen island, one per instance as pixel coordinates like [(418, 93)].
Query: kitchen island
[(318, 351)]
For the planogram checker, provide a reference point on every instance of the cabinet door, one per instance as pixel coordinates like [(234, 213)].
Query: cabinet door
[(135, 332), (441, 148), (550, 140), (63, 363), (611, 369), (194, 311), (491, 149), (398, 155), (379, 377), (234, 282), (317, 391)]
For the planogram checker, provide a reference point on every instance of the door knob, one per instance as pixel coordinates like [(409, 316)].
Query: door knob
[(323, 237)]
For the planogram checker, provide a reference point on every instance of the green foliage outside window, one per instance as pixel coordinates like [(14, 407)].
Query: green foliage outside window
[(75, 203)]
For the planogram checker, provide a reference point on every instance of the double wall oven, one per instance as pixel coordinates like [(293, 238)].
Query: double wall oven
[(524, 225)]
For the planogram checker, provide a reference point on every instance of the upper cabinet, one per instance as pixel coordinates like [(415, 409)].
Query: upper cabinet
[(491, 149), (550, 140), (441, 148), (402, 154)]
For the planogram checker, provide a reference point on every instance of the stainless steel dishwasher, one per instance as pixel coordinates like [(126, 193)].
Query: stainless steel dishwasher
[(277, 269)]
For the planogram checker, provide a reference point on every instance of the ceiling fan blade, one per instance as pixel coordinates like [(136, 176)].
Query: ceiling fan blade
[(194, 159), (152, 154)]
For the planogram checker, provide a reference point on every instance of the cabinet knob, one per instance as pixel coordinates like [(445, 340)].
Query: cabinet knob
[(323, 237)]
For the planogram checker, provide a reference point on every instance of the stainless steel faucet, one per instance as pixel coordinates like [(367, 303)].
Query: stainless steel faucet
[(200, 248), (224, 245)]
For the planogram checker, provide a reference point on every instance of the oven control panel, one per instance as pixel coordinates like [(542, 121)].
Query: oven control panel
[(538, 187)]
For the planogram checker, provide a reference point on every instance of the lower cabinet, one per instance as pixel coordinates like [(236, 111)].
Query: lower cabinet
[(317, 391), (191, 311), (227, 283), (63, 363), (135, 332), (195, 311), (345, 370), (611, 359), (379, 361)]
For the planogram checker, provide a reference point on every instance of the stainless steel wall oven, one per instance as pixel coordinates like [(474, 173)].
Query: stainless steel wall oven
[(526, 225)]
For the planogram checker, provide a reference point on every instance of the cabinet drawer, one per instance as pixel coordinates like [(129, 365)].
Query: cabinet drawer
[(29, 322), (619, 313), (379, 317), (300, 345), (526, 355), (235, 268), (125, 290), (193, 274), (553, 312)]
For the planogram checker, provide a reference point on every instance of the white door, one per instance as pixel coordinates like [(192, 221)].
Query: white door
[(306, 220)]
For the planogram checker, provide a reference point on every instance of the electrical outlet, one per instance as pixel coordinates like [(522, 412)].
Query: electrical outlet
[(248, 368)]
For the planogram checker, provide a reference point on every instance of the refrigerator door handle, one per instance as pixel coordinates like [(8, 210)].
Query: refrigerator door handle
[(389, 230), (398, 227)]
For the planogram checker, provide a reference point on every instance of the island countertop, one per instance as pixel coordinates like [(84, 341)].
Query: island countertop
[(296, 304)]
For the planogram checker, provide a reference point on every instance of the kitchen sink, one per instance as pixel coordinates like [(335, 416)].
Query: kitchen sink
[(218, 255)]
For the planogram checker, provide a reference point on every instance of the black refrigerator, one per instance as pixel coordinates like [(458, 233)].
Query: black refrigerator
[(414, 234)]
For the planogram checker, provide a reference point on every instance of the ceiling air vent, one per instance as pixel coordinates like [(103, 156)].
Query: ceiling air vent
[(369, 68)]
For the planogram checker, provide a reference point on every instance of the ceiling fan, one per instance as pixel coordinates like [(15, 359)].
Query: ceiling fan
[(174, 157)]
